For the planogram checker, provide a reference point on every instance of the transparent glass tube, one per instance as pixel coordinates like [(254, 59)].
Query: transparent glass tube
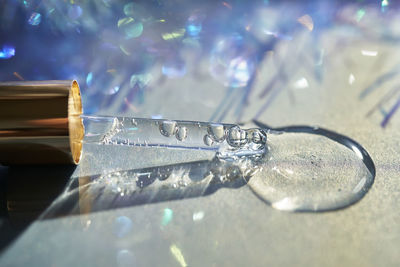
[(228, 140)]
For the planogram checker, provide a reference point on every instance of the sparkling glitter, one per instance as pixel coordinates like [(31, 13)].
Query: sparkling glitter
[(239, 71), (302, 83), (26, 3), (369, 53), (173, 35), (351, 78), (360, 14), (89, 79), (198, 216), (194, 26), (35, 19), (178, 255), (130, 28), (230, 64), (7, 52), (167, 217), (384, 5), (124, 50), (306, 21)]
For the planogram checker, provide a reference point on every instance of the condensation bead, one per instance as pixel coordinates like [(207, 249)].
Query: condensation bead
[(256, 136), (208, 140), (216, 132), (237, 137), (168, 128), (181, 133)]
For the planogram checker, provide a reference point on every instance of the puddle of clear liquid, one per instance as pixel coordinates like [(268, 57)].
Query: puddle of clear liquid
[(312, 170), (292, 169)]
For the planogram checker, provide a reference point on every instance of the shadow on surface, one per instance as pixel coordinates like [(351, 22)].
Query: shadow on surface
[(148, 185), (26, 191)]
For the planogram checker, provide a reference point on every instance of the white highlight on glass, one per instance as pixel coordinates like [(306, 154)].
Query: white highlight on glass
[(369, 53)]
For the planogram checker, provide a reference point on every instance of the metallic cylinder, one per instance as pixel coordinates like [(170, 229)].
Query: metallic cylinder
[(40, 122)]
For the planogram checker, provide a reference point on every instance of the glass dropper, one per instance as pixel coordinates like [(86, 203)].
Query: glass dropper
[(227, 140)]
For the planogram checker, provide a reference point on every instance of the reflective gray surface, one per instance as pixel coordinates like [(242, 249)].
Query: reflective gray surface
[(232, 227)]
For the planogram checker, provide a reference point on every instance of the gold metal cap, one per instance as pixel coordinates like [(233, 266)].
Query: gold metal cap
[(40, 122)]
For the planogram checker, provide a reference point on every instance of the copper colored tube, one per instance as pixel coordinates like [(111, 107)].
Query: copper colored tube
[(40, 122)]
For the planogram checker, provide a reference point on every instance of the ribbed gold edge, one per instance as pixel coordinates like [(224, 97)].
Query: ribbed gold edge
[(75, 123)]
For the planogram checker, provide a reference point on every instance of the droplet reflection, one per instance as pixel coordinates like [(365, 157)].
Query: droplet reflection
[(122, 226)]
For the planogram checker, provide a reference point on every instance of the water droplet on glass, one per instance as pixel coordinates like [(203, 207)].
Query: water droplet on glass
[(208, 140), (312, 170), (181, 133), (168, 128), (236, 136), (216, 131)]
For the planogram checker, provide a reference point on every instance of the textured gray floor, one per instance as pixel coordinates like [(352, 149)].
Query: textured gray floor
[(237, 229)]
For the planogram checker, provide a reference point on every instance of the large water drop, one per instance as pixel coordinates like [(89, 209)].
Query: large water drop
[(181, 133), (216, 131), (168, 128), (314, 170)]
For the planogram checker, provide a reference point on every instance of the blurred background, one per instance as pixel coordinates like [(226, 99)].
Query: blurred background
[(329, 63), (206, 60)]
